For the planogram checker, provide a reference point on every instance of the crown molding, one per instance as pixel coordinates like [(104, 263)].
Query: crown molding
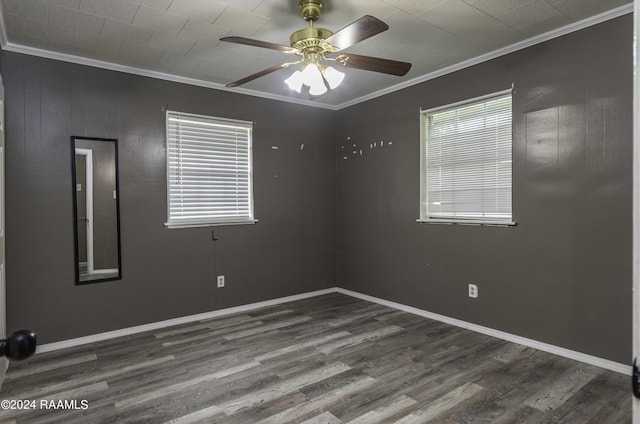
[(576, 26), (64, 57), (550, 35)]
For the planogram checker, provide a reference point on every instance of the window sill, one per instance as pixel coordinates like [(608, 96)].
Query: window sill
[(172, 225), (476, 222)]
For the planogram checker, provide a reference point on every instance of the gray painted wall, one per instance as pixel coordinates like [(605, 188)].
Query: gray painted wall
[(563, 274), (166, 273)]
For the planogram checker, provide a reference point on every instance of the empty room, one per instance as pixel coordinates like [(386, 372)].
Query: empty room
[(306, 211)]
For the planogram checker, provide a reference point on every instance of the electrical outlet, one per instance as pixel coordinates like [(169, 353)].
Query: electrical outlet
[(473, 291), (220, 281)]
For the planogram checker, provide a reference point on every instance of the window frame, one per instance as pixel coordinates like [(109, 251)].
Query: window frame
[(210, 222), (424, 212)]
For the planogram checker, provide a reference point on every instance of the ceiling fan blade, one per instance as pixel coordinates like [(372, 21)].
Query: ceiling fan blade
[(259, 43), (375, 64), (257, 75), (363, 28)]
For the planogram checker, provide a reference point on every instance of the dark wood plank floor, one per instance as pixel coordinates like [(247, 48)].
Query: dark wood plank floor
[(329, 359)]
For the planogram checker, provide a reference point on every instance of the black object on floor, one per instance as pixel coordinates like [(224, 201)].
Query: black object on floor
[(18, 346)]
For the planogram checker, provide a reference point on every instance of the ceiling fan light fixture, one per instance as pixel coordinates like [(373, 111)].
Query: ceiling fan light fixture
[(295, 81), (318, 89), (333, 76), (313, 79), (311, 75), (314, 76), (313, 44)]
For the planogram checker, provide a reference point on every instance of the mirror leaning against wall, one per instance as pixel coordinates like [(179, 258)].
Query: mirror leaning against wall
[(96, 209)]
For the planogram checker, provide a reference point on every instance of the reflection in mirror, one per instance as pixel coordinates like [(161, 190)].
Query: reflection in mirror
[(96, 207)]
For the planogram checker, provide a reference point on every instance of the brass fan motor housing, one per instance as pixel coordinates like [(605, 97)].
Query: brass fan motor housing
[(311, 37), (310, 9)]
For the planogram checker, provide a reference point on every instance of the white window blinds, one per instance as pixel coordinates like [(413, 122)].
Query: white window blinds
[(467, 153), (209, 170)]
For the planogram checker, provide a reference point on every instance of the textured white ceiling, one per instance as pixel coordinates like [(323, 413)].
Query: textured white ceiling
[(181, 37)]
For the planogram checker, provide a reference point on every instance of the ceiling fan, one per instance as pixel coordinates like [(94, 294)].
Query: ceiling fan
[(315, 46)]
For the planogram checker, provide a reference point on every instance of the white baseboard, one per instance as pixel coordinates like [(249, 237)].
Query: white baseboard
[(546, 347), (64, 344)]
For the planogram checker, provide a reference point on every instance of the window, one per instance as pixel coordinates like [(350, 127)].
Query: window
[(466, 161), (209, 172)]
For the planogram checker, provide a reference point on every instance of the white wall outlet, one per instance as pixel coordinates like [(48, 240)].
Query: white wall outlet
[(220, 281), (473, 291)]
